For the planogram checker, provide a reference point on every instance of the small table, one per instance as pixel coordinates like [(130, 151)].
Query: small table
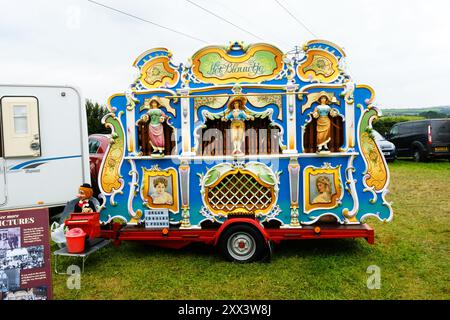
[(95, 246)]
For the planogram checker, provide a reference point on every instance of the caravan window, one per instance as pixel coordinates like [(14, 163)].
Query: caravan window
[(20, 127), (20, 120)]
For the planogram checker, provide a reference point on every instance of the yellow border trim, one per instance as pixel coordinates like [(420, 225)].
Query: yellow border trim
[(372, 91), (341, 51), (236, 59), (245, 86), (157, 172), (334, 197), (143, 54), (318, 76), (167, 68), (156, 90)]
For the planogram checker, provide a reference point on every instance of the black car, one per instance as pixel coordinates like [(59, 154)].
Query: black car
[(388, 148), (422, 139)]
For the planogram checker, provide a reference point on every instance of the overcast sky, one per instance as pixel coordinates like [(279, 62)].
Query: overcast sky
[(399, 47)]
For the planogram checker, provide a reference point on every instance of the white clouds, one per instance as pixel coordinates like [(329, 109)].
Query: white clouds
[(399, 47)]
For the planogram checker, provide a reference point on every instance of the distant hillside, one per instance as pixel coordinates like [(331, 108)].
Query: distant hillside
[(393, 116), (444, 110)]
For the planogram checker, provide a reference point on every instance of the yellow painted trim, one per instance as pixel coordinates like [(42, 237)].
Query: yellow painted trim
[(156, 90), (258, 44), (170, 172), (138, 93), (167, 68), (236, 59), (377, 170), (254, 86), (304, 89), (334, 197), (372, 91), (108, 103), (110, 169), (329, 43), (149, 51), (317, 76)]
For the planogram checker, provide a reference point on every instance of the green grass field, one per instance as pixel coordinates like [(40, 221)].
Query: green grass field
[(412, 252)]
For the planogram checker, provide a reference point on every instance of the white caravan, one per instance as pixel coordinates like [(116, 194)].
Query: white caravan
[(43, 146)]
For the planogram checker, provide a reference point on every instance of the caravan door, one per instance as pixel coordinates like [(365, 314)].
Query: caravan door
[(19, 135), (20, 127)]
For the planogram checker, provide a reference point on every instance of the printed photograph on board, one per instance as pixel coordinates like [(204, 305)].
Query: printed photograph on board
[(9, 280), (9, 238), (38, 293), (23, 258)]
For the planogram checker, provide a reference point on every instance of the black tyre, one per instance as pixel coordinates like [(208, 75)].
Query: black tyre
[(417, 155), (243, 244)]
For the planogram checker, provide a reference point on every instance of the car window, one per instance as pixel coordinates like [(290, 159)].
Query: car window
[(394, 131), (94, 144)]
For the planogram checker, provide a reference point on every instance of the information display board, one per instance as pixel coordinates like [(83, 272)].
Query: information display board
[(25, 266)]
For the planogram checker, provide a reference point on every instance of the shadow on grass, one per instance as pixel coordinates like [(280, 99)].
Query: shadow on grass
[(324, 247), (131, 253)]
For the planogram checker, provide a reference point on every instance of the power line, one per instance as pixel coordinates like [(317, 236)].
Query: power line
[(296, 19), (223, 19), (148, 21), (248, 20)]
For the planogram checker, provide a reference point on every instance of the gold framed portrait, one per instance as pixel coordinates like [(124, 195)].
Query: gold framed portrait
[(322, 187), (160, 188)]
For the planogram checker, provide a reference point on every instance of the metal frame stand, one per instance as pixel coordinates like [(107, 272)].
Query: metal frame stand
[(84, 255)]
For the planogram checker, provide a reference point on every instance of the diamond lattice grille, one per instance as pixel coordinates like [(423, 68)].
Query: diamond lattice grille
[(239, 191)]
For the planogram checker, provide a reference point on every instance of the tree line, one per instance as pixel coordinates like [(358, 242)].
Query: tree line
[(95, 112)]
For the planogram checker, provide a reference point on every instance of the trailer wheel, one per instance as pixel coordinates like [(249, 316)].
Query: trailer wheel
[(243, 244)]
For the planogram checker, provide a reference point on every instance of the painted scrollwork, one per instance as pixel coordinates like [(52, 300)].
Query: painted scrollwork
[(110, 178), (376, 174), (213, 102)]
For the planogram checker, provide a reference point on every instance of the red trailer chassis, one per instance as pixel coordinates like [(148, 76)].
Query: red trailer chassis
[(179, 238)]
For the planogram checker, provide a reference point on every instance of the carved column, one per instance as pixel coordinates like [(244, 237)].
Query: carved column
[(186, 134), (294, 178), (131, 122), (184, 170), (291, 147), (350, 115)]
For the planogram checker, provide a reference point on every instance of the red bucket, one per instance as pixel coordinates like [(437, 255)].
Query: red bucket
[(75, 240)]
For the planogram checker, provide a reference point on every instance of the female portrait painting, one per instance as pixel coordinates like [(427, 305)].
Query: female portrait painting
[(321, 189), (161, 190)]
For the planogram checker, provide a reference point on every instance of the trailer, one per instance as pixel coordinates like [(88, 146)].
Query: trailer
[(43, 148), (240, 147)]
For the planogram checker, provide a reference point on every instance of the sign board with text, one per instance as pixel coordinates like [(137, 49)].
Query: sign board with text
[(254, 64), (25, 266)]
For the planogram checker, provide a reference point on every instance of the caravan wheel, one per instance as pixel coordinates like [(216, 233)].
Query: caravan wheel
[(242, 243)]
